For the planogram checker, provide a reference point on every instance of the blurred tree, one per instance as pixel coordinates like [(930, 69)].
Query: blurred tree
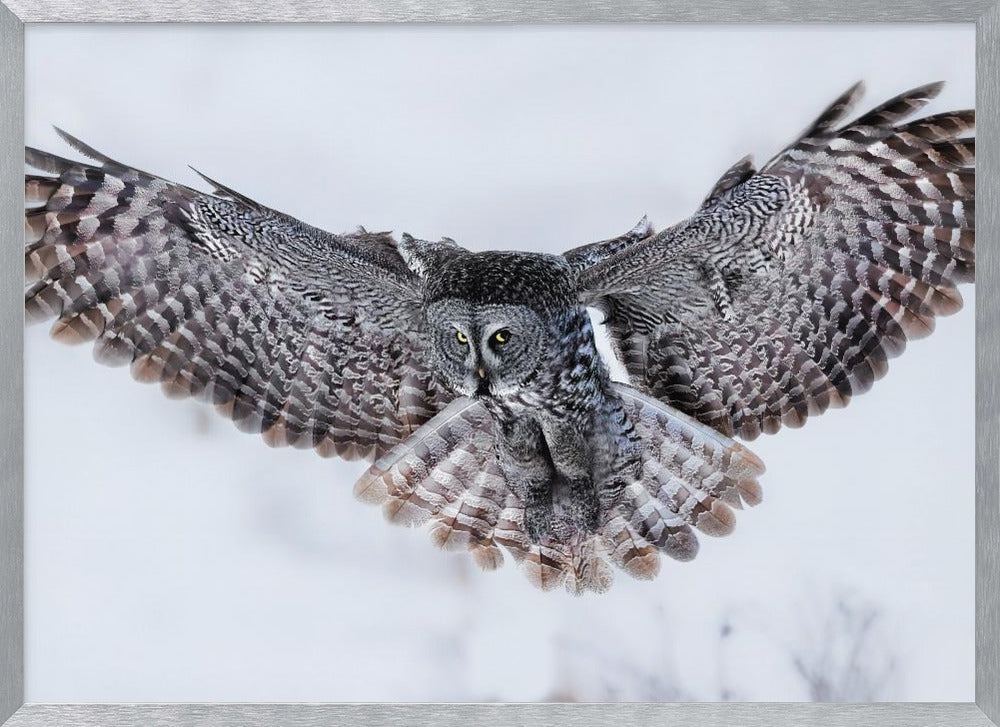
[(846, 655)]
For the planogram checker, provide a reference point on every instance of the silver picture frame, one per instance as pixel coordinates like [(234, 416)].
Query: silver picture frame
[(14, 14)]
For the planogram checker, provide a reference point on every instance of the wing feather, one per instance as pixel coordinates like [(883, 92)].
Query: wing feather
[(446, 475), (306, 337), (791, 288)]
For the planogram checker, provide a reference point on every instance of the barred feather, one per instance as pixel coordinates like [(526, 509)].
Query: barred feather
[(306, 337), (791, 288), (446, 475)]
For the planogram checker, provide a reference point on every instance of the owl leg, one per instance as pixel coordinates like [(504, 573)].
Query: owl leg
[(584, 509), (571, 457), (521, 456), (538, 509)]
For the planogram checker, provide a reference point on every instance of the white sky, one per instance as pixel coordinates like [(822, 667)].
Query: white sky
[(170, 557)]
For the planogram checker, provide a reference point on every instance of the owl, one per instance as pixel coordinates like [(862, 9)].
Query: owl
[(472, 381)]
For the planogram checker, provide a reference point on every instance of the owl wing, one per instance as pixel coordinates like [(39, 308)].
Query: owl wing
[(790, 288), (310, 338)]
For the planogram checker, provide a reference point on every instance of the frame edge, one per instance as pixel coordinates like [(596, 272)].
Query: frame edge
[(801, 714), (11, 363), (502, 11), (15, 713), (988, 371)]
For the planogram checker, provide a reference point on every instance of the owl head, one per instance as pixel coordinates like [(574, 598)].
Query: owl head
[(493, 317)]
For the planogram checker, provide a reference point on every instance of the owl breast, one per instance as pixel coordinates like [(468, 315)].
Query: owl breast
[(564, 442)]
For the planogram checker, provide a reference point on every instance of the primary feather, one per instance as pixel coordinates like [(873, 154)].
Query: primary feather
[(790, 288), (307, 337)]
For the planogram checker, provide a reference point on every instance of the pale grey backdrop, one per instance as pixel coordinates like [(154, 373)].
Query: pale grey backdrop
[(171, 558)]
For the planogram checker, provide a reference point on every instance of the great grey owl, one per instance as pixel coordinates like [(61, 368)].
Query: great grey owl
[(473, 380)]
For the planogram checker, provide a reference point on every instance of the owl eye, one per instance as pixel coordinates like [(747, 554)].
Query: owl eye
[(501, 336), (462, 338)]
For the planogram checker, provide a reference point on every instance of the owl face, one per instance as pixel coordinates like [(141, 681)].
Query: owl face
[(485, 349)]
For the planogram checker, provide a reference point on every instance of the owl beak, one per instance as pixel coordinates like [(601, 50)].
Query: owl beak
[(483, 386)]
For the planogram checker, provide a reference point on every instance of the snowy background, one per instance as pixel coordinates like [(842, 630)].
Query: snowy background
[(170, 557)]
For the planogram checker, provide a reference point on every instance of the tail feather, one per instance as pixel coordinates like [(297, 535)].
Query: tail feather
[(446, 475)]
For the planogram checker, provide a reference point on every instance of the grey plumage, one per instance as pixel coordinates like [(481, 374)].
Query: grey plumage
[(472, 380), (789, 290), (308, 337)]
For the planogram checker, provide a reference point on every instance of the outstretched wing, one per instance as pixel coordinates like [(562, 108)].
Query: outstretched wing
[(308, 337), (791, 287)]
